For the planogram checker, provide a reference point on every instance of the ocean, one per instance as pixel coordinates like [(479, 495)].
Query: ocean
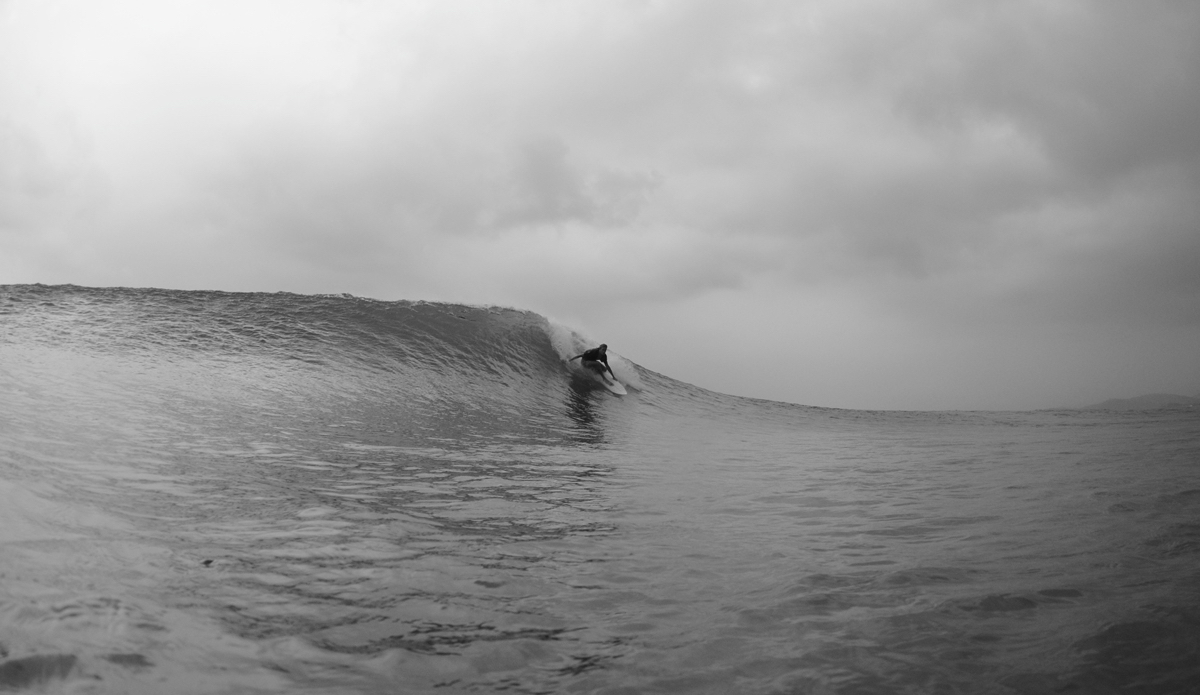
[(209, 492)]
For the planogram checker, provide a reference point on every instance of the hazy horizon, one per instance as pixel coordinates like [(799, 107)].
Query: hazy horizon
[(928, 206)]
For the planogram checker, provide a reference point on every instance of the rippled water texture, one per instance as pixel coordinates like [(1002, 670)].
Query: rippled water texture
[(221, 493)]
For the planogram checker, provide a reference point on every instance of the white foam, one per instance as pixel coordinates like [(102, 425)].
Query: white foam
[(567, 342)]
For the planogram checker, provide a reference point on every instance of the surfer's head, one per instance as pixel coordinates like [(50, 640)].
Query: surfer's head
[(603, 347)]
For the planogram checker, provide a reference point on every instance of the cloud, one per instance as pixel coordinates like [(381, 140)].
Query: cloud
[(962, 169), (546, 187)]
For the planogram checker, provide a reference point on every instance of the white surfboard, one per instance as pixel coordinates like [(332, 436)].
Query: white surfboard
[(614, 386), (611, 384)]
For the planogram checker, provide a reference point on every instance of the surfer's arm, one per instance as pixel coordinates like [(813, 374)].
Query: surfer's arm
[(575, 357)]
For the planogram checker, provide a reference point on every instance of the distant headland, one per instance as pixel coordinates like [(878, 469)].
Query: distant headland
[(1148, 402)]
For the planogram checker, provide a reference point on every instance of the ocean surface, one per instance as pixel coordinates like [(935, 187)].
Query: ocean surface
[(206, 492)]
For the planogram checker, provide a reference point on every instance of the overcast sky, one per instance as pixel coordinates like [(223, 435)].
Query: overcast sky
[(870, 204)]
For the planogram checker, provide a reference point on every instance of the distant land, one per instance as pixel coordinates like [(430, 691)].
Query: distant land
[(1148, 402)]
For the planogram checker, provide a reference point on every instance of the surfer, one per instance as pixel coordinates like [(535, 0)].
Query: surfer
[(596, 360)]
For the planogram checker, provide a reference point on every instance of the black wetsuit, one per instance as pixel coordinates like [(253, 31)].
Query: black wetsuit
[(595, 355), (592, 359)]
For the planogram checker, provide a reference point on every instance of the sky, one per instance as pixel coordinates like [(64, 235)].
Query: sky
[(929, 204)]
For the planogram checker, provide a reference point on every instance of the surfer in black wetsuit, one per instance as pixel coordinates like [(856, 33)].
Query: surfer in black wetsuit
[(596, 359)]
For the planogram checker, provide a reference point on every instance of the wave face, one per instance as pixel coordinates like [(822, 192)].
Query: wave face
[(219, 492), (444, 370), (401, 372)]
